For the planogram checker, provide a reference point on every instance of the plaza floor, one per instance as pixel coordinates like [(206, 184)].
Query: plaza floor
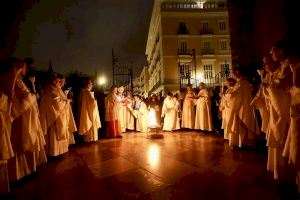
[(182, 165)]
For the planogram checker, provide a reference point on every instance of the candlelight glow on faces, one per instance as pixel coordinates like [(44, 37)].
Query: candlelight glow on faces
[(153, 155)]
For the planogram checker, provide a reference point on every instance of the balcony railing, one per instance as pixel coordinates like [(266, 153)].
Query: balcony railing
[(207, 51), (184, 52), (183, 31), (207, 31)]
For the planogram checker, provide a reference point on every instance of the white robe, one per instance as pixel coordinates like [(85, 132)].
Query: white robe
[(141, 115), (122, 112), (241, 122), (292, 145), (279, 119), (261, 103), (89, 121), (6, 151), (225, 107), (27, 138), (188, 111), (57, 121), (128, 112), (203, 119), (170, 111)]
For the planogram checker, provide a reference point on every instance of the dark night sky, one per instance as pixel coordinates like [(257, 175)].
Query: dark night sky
[(79, 34)]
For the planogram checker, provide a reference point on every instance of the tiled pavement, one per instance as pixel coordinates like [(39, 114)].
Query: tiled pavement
[(182, 165)]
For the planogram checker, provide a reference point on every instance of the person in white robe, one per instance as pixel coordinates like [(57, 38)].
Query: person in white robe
[(170, 112), (224, 105), (122, 108), (203, 119), (241, 124), (8, 74), (261, 101), (188, 109), (113, 127), (27, 137), (89, 120), (129, 102), (292, 144), (140, 112), (57, 119), (279, 98), (71, 119)]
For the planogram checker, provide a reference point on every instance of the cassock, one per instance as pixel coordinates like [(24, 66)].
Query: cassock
[(57, 121), (203, 119), (113, 128), (141, 114), (279, 114), (89, 121), (170, 111), (128, 111), (188, 111), (241, 124), (27, 137), (6, 151), (292, 145)]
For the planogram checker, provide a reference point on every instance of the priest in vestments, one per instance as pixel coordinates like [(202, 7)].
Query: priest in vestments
[(203, 119), (89, 120), (8, 74), (241, 123), (170, 111), (27, 137), (188, 109), (56, 119), (122, 108), (224, 105), (292, 145), (129, 102), (113, 128), (280, 100), (141, 114)]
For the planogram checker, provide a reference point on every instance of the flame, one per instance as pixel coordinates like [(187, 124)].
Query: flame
[(152, 121)]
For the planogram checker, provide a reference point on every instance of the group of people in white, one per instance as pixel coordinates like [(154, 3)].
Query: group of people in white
[(30, 131)]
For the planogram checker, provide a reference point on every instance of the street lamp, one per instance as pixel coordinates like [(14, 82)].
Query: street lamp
[(101, 81)]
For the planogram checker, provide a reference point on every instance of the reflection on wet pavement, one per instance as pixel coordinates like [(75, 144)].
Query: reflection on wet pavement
[(182, 165)]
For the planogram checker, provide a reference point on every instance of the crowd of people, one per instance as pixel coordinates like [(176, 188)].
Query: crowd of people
[(34, 126)]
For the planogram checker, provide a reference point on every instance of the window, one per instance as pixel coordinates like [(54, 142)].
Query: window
[(223, 45), (222, 26), (208, 71), (205, 25), (225, 70), (182, 28), (183, 47), (206, 45)]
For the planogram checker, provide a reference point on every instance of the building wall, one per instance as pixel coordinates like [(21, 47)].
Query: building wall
[(169, 43)]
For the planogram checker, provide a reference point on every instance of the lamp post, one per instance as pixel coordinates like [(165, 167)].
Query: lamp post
[(101, 81)]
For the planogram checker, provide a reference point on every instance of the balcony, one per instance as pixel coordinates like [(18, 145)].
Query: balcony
[(184, 52), (184, 56), (183, 31), (207, 31), (207, 51)]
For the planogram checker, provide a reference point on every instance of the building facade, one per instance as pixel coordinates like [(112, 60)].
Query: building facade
[(144, 81), (188, 42)]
